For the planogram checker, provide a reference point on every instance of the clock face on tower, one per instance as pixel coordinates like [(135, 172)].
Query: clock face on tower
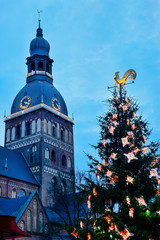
[(25, 102), (55, 104)]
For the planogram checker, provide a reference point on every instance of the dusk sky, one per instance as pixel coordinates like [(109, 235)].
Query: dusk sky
[(90, 40)]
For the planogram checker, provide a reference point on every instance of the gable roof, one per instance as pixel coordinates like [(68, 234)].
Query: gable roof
[(15, 206), (13, 165)]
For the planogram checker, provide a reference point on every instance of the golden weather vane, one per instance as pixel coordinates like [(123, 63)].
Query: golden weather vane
[(39, 16), (130, 74)]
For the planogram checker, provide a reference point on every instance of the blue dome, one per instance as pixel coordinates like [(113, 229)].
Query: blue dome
[(39, 46), (39, 91)]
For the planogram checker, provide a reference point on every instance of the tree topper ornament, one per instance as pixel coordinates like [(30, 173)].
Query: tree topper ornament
[(130, 74)]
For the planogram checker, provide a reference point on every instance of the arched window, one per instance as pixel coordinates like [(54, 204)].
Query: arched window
[(64, 162), (47, 153), (38, 125), (70, 137), (47, 67), (46, 229), (34, 148), (22, 193), (45, 126), (40, 66), (49, 128), (53, 156), (8, 133), (28, 128), (69, 162), (33, 127), (33, 66), (35, 215), (54, 130), (18, 132), (14, 193), (55, 186), (63, 187), (21, 225), (13, 134), (0, 191), (62, 134), (23, 129), (66, 135), (28, 220), (40, 222)]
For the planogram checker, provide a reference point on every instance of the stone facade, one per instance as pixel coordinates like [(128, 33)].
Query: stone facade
[(36, 225), (12, 188), (47, 147)]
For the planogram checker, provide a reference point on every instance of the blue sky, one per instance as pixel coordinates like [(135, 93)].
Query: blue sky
[(90, 40)]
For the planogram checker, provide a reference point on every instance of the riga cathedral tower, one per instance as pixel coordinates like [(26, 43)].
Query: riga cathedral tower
[(39, 126)]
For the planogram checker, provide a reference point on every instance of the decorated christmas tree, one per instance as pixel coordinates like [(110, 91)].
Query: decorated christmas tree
[(124, 203)]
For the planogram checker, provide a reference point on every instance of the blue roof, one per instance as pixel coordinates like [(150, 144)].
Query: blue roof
[(15, 206), (39, 46), (17, 168), (39, 91)]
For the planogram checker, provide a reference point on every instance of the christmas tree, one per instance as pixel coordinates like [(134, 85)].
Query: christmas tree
[(124, 203)]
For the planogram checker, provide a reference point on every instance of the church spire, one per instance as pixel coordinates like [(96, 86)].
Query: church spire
[(39, 29)]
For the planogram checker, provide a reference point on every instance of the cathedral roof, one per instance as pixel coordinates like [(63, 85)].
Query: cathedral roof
[(13, 165), (39, 92), (15, 206)]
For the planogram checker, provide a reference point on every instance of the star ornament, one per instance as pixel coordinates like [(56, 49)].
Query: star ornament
[(133, 126), (130, 156), (108, 218), (111, 129), (153, 172), (113, 180), (74, 233), (105, 163), (115, 123), (113, 155), (136, 150), (129, 179), (145, 150), (158, 212), (111, 227), (109, 173), (141, 201), (125, 234), (125, 141), (99, 167), (130, 134), (131, 212), (124, 107), (115, 115), (128, 200), (104, 141)]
